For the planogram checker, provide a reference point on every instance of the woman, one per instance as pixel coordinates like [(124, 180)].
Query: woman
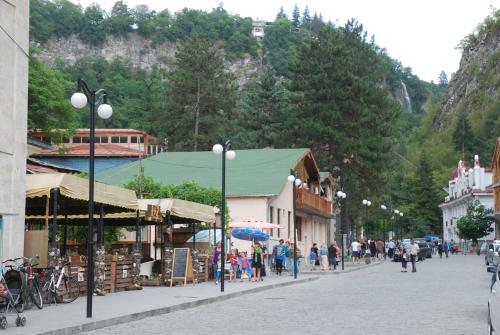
[(217, 263), (257, 261), (404, 257), (373, 249), (323, 253), (332, 256)]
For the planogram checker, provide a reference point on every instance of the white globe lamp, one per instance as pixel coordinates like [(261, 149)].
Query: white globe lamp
[(78, 100)]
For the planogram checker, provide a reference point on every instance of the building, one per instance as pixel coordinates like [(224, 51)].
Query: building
[(496, 186), (256, 188), (463, 187), (112, 148), (259, 29), (14, 49)]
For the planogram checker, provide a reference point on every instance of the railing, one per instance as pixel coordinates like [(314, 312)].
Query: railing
[(313, 201)]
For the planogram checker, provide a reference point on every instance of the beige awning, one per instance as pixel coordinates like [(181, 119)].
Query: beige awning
[(182, 209), (77, 188)]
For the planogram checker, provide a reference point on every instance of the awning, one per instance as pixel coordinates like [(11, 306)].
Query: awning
[(182, 209), (74, 195)]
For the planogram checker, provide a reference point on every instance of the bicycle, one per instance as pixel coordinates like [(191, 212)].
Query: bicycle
[(31, 294), (61, 288)]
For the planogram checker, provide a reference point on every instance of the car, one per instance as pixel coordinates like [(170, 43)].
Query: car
[(494, 302)]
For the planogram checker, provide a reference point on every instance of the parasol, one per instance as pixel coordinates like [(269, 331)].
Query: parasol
[(249, 234), (254, 224)]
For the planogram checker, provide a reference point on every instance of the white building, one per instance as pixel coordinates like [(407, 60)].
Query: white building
[(14, 48), (465, 186)]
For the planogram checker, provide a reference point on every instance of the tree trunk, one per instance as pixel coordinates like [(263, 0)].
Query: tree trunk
[(197, 116)]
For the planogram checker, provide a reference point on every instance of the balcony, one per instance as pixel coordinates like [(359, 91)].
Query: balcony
[(313, 203)]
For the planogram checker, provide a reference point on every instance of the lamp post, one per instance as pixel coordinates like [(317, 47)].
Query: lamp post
[(341, 195), (384, 208), (366, 203), (292, 178), (401, 224), (218, 149), (396, 212), (95, 99)]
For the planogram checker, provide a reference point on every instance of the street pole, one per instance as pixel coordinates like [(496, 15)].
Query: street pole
[(294, 194)]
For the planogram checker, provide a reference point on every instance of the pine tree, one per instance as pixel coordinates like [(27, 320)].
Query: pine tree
[(306, 19), (296, 17), (463, 139), (281, 14), (443, 79), (201, 97)]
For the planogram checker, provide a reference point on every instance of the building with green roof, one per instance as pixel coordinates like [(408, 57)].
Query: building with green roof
[(256, 187)]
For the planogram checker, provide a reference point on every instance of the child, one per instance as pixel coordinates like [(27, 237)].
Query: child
[(219, 269), (404, 259), (313, 257), (244, 265), (233, 260)]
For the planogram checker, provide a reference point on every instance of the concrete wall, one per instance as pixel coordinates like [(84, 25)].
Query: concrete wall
[(14, 38)]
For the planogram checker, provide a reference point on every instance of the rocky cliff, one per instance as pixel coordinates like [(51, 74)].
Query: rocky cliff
[(478, 74), (135, 49)]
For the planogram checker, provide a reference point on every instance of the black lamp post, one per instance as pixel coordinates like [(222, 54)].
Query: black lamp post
[(340, 196), (96, 100), (366, 203), (383, 207), (223, 148), (295, 183)]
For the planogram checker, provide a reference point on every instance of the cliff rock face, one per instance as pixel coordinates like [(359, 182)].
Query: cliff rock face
[(479, 73), (135, 49)]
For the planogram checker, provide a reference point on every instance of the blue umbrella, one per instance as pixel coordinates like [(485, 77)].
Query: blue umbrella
[(431, 238), (249, 234)]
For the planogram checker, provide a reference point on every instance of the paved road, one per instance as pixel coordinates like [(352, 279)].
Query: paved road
[(445, 296)]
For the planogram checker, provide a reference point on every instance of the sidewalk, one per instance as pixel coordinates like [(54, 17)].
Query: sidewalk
[(348, 267), (129, 306)]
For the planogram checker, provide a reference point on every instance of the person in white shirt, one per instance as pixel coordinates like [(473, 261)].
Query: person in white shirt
[(413, 255), (356, 250)]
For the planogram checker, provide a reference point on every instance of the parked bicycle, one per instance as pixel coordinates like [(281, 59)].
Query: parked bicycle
[(32, 294), (59, 286)]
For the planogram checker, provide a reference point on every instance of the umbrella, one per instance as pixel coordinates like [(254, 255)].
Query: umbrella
[(249, 234), (206, 236), (431, 238), (254, 224)]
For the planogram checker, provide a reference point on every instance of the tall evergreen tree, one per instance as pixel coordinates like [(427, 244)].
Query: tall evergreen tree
[(306, 18), (281, 14), (201, 98), (296, 17), (443, 79), (463, 139), (279, 42)]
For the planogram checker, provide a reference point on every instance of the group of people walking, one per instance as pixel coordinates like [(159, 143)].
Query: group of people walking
[(325, 258), (240, 264)]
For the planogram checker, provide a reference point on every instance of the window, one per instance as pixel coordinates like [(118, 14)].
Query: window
[(115, 139), (104, 139), (298, 221), (85, 140), (279, 219), (97, 139), (133, 139), (65, 139), (289, 215), (141, 139), (77, 139), (123, 139), (271, 210)]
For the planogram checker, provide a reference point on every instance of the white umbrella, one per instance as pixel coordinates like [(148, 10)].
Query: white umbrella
[(254, 224)]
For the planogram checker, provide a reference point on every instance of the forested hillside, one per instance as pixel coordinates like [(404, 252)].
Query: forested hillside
[(312, 84)]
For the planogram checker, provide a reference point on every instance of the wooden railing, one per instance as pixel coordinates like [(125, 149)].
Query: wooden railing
[(313, 201)]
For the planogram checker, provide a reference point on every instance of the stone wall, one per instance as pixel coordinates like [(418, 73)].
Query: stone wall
[(14, 46)]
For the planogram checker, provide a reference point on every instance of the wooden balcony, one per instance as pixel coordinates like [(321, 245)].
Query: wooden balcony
[(313, 202)]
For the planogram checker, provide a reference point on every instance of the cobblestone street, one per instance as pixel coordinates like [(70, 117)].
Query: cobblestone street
[(445, 296)]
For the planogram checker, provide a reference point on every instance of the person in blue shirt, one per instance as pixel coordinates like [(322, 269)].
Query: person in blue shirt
[(279, 252)]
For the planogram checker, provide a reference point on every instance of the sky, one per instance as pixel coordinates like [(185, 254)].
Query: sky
[(421, 34)]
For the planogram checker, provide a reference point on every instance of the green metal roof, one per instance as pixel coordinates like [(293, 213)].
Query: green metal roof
[(252, 173)]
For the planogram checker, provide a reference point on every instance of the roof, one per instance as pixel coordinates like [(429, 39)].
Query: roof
[(258, 172), (182, 209), (101, 150), (34, 165)]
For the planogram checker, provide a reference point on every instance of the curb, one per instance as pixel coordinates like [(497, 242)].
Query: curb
[(88, 326), (339, 271)]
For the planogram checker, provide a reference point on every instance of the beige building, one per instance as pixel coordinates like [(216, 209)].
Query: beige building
[(14, 39)]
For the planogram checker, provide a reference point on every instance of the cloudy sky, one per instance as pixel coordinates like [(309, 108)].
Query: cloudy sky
[(422, 34)]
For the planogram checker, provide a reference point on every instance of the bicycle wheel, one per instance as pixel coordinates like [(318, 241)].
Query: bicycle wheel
[(68, 290), (35, 295)]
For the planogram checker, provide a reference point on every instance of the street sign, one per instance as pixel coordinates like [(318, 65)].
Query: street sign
[(153, 214)]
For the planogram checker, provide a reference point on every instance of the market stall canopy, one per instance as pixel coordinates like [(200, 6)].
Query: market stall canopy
[(183, 209), (74, 195), (254, 224)]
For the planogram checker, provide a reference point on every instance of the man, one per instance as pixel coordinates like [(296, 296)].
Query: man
[(391, 247), (413, 255), (356, 249), (332, 256), (279, 252)]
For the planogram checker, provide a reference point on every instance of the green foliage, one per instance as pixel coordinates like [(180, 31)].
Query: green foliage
[(201, 98), (463, 139), (93, 29), (79, 234), (476, 223), (280, 45), (48, 107)]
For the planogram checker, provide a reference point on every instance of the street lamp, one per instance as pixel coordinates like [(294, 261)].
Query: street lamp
[(223, 149), (366, 203), (384, 208), (292, 178), (341, 195), (400, 224), (79, 100)]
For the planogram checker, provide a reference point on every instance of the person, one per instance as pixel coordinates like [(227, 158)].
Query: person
[(289, 257), (323, 253), (313, 258), (217, 262), (279, 257), (404, 258), (356, 249), (244, 265), (413, 255), (332, 256), (380, 249), (446, 248), (233, 261), (257, 261), (373, 249), (390, 247), (316, 250), (440, 250)]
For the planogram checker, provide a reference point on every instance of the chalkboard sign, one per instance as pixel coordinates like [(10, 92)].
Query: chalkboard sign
[(182, 269)]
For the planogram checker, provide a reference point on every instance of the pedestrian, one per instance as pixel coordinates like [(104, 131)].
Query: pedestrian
[(313, 258), (217, 262), (332, 256), (440, 250), (233, 261), (279, 253), (404, 258), (257, 261), (413, 255), (390, 247), (316, 250), (356, 249), (380, 249), (373, 249), (289, 257), (323, 254), (244, 265), (446, 248)]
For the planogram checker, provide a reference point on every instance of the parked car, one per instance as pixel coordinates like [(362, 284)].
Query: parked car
[(494, 302)]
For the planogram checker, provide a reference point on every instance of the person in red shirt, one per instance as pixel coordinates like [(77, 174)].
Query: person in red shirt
[(233, 260)]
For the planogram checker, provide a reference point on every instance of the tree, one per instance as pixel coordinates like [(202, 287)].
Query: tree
[(476, 223), (201, 98), (121, 19), (48, 106), (306, 19), (279, 42), (463, 139), (92, 30), (443, 79), (281, 14), (296, 17)]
